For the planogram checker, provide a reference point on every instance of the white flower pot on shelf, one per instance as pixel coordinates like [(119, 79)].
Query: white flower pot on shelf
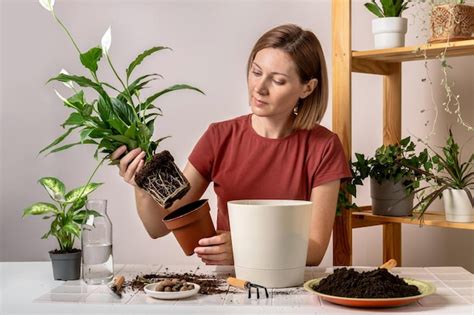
[(457, 206), (389, 32), (270, 240)]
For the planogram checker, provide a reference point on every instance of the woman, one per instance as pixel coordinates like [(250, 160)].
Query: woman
[(279, 151)]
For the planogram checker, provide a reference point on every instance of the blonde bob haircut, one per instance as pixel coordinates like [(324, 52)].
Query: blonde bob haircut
[(305, 50)]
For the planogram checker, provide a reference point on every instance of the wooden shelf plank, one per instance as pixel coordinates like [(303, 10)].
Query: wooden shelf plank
[(401, 54), (364, 217)]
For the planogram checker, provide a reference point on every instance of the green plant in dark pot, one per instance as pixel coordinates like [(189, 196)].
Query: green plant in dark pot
[(67, 214), (126, 118), (392, 180)]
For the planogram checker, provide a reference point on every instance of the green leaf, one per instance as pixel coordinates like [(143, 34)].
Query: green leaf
[(79, 217), (65, 147), (59, 139), (76, 101), (104, 108), (72, 228), (144, 134), (118, 125), (75, 119), (374, 8), (55, 188), (404, 142), (82, 191), (46, 235), (99, 133), (161, 139), (80, 80), (90, 58), (40, 208), (141, 57), (176, 87), (110, 86), (125, 140), (123, 111), (131, 132), (136, 86)]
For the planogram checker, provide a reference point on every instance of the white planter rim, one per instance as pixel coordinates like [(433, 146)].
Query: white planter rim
[(269, 202)]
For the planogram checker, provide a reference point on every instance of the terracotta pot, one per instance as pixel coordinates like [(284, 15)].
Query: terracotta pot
[(190, 223), (452, 22)]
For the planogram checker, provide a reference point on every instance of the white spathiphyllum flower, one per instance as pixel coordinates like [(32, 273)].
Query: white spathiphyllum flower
[(68, 84), (47, 4), (106, 41), (62, 98)]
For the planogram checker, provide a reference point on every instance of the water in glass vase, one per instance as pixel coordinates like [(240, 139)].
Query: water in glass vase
[(98, 265)]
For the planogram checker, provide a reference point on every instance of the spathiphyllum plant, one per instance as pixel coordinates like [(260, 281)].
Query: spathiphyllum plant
[(448, 172), (67, 212), (125, 118)]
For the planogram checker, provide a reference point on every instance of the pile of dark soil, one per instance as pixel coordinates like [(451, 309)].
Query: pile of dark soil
[(210, 284), (370, 284)]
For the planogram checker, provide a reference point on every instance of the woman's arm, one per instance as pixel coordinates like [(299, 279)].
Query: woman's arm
[(324, 198), (150, 213)]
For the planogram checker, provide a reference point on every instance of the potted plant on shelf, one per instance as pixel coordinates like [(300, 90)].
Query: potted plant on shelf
[(67, 215), (392, 180), (451, 20), (450, 179), (390, 27), (109, 122)]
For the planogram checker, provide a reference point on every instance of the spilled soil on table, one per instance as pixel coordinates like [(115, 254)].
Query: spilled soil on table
[(210, 284)]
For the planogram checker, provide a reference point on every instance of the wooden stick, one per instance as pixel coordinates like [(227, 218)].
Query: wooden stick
[(389, 264)]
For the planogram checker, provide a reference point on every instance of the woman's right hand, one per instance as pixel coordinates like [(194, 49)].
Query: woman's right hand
[(129, 164)]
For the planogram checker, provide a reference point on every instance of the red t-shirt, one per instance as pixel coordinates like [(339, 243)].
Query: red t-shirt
[(245, 165)]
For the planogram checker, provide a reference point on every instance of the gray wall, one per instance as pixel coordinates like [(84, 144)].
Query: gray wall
[(211, 41)]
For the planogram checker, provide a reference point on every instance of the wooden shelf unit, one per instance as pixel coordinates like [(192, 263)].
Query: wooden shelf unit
[(385, 62), (363, 217)]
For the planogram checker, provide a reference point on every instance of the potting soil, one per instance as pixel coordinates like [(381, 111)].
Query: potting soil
[(379, 283)]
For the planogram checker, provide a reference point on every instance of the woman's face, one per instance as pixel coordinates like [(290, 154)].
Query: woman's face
[(274, 85)]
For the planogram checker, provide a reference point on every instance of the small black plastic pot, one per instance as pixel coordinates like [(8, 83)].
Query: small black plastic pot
[(66, 266)]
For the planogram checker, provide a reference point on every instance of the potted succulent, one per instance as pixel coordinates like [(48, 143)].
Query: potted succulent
[(451, 20), (450, 179), (67, 215), (390, 27), (392, 180), (127, 118)]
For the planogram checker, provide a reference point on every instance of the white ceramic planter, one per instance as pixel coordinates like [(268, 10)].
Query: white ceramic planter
[(457, 206), (389, 32), (270, 240)]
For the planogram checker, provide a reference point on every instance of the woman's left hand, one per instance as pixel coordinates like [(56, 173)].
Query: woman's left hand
[(216, 250)]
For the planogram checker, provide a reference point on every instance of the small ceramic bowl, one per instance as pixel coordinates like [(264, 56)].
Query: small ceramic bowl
[(150, 290)]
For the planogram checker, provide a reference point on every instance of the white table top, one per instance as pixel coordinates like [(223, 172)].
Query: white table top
[(29, 288)]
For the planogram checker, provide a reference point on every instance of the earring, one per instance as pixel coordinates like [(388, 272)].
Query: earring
[(295, 110)]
